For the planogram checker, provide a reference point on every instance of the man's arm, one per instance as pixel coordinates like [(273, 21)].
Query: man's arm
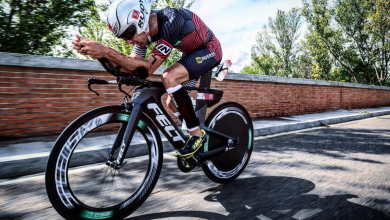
[(130, 63), (134, 62)]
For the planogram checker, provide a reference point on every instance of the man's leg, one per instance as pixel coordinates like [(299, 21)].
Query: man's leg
[(172, 79), (172, 106), (173, 109)]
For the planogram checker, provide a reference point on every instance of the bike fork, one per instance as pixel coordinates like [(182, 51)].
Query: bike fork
[(127, 133)]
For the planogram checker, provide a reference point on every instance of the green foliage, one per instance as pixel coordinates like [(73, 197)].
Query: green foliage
[(252, 69), (275, 52), (285, 29), (174, 3), (320, 60), (355, 33), (348, 41), (36, 26)]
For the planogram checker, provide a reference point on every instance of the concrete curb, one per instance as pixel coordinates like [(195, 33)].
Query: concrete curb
[(315, 123), (16, 166)]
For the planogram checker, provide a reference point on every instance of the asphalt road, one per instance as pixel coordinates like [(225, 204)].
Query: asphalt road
[(336, 172)]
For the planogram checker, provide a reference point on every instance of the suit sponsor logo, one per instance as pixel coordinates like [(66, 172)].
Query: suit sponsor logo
[(164, 49), (199, 60)]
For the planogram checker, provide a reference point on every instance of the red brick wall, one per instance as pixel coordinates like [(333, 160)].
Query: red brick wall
[(38, 101)]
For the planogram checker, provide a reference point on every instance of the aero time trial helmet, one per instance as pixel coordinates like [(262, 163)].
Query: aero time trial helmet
[(125, 18)]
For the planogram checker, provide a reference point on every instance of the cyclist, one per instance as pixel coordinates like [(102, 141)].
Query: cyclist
[(171, 27)]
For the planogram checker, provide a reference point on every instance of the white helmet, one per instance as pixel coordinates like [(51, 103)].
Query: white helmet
[(127, 17)]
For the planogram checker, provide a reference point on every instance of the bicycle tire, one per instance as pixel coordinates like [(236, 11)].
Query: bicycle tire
[(72, 203), (231, 119)]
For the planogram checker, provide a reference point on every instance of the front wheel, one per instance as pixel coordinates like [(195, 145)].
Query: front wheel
[(79, 181), (231, 119)]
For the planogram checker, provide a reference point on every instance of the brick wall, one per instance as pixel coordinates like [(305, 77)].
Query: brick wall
[(43, 101)]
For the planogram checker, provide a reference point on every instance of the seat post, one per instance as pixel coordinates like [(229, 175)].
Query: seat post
[(205, 80)]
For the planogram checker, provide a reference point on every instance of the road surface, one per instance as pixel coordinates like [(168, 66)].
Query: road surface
[(336, 172)]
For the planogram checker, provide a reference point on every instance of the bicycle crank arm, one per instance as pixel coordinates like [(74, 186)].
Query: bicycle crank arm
[(218, 133), (215, 152)]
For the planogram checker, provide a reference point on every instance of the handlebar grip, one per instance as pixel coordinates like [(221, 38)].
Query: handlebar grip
[(131, 81), (97, 81)]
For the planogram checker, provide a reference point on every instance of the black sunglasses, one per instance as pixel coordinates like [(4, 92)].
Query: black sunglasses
[(129, 33)]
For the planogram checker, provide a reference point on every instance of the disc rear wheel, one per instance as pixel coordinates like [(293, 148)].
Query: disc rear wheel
[(233, 120)]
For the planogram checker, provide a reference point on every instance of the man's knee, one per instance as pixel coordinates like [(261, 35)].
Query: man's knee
[(169, 79), (174, 76)]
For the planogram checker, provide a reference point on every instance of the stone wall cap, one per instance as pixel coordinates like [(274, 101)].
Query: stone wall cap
[(23, 60)]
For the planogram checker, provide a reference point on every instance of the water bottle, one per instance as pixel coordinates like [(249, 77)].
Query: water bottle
[(223, 70)]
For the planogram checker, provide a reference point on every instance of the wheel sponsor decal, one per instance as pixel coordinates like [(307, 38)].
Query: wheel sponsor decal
[(141, 125), (63, 159), (250, 138), (96, 215), (123, 117)]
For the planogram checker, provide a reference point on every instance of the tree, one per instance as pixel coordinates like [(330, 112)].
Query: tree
[(355, 33), (36, 26), (285, 28), (320, 61), (320, 16), (252, 69), (378, 29), (275, 51), (174, 3), (303, 65)]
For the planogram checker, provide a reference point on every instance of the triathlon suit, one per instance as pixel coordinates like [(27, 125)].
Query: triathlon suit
[(182, 29)]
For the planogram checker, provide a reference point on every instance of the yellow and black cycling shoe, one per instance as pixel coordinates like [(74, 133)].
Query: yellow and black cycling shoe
[(193, 144)]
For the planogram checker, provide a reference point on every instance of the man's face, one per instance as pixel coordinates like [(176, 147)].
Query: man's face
[(139, 39)]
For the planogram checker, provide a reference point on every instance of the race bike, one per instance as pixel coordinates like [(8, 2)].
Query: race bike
[(105, 164)]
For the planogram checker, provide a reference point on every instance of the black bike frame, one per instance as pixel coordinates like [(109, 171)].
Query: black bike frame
[(147, 100)]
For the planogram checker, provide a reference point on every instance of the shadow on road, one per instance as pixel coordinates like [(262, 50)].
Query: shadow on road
[(275, 198), (326, 141)]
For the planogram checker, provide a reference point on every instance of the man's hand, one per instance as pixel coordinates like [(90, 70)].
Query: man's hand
[(76, 43), (89, 47)]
